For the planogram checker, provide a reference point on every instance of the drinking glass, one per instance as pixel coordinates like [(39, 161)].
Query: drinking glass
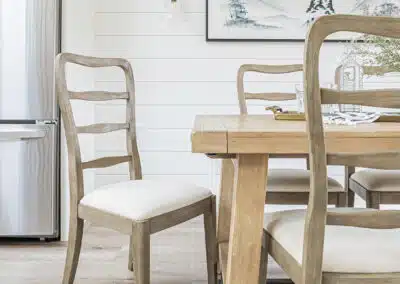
[(299, 98), (325, 109)]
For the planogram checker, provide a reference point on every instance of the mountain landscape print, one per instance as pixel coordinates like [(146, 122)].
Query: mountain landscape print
[(280, 20)]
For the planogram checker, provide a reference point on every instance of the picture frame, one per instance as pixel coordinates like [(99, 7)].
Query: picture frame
[(281, 20)]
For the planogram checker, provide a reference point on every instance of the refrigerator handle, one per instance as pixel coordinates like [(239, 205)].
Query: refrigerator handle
[(22, 134)]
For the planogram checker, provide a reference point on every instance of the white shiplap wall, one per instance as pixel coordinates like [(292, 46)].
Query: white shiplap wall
[(178, 75)]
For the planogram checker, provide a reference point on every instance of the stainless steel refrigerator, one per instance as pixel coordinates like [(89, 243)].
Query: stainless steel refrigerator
[(29, 128)]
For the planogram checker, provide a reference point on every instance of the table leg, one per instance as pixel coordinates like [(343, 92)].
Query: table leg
[(247, 219), (224, 210), (349, 171)]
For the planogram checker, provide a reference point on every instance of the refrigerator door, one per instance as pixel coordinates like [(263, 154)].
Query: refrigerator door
[(28, 178), (29, 42)]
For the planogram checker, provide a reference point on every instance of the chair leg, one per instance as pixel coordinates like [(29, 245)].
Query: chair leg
[(140, 241), (373, 200), (130, 259), (350, 198), (211, 242), (74, 249), (264, 259), (349, 171), (342, 199)]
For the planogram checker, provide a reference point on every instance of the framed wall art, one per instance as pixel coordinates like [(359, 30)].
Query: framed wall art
[(282, 20)]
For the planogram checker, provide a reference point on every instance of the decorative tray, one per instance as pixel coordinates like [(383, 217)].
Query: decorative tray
[(279, 114)]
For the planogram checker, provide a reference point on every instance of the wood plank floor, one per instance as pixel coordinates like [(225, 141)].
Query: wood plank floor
[(178, 257)]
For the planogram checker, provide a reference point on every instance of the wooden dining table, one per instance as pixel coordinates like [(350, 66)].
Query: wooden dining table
[(244, 143)]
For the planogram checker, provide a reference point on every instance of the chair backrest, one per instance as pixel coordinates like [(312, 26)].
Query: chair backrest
[(317, 216), (76, 166), (265, 69)]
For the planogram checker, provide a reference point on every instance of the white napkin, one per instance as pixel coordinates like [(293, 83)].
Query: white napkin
[(350, 118)]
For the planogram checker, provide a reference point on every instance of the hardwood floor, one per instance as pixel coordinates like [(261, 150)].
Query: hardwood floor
[(178, 257)]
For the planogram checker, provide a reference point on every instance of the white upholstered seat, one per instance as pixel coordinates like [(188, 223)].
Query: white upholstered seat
[(346, 249), (295, 180), (378, 180), (143, 199)]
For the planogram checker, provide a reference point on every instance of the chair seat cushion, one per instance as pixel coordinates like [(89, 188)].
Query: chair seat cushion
[(295, 180), (378, 180), (346, 249), (143, 199)]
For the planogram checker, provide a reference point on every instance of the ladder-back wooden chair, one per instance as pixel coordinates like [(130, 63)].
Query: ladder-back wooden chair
[(285, 186), (349, 245), (374, 186), (137, 207)]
